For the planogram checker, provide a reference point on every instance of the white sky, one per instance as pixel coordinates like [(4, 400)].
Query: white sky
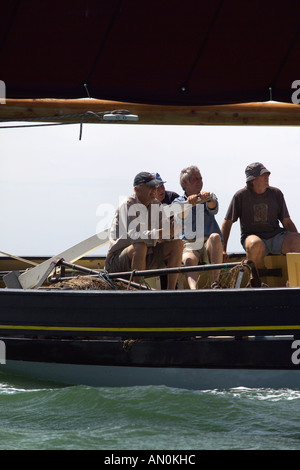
[(52, 184)]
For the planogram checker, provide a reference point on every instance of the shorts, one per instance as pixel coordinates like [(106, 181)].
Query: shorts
[(120, 261), (201, 253), (273, 245)]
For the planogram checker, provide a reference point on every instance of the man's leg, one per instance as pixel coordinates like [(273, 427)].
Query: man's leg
[(189, 258), (255, 249), (291, 243), (136, 254), (215, 252), (172, 254)]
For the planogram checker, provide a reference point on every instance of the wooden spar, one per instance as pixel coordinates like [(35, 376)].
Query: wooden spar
[(35, 276), (33, 263), (244, 114)]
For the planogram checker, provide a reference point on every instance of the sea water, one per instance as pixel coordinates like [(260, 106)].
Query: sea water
[(40, 415)]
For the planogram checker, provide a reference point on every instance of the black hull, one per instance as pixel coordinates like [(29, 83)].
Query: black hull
[(131, 314), (188, 339), (207, 353), (199, 364)]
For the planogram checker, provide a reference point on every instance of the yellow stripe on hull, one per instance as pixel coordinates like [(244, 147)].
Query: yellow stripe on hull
[(152, 329)]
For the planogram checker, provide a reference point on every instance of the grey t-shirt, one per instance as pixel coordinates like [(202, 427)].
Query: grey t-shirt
[(259, 214)]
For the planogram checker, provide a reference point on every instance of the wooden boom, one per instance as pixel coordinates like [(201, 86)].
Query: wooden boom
[(68, 111)]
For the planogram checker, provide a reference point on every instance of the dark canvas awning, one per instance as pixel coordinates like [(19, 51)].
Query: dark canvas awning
[(190, 52)]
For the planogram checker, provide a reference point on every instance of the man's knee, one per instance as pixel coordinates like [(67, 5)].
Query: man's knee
[(252, 241), (140, 248), (254, 246), (190, 259), (137, 251), (215, 239)]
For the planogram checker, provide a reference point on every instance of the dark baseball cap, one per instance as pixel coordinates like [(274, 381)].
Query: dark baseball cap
[(145, 178), (254, 170), (159, 178)]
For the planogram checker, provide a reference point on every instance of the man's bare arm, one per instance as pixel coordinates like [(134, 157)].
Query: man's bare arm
[(226, 228)]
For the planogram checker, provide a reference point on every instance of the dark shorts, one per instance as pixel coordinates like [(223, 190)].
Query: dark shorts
[(273, 245), (120, 261)]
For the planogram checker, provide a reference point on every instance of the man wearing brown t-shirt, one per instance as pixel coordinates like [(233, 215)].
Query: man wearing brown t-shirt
[(260, 208)]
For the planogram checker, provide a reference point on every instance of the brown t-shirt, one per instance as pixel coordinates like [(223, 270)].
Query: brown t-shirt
[(259, 214)]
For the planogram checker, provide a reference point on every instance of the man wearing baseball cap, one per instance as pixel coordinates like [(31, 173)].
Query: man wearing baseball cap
[(260, 208), (164, 196), (141, 236)]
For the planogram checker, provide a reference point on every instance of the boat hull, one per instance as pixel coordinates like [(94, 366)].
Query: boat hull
[(135, 314), (188, 339), (200, 363), (192, 379)]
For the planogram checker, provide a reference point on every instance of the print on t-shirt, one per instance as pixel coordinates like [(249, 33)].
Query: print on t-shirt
[(260, 213)]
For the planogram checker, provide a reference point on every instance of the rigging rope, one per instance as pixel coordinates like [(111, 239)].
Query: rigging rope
[(87, 117)]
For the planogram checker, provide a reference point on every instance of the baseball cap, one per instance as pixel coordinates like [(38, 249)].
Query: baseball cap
[(254, 170), (159, 178), (145, 178)]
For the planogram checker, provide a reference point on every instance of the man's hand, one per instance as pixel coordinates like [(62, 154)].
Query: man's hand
[(204, 196), (193, 199)]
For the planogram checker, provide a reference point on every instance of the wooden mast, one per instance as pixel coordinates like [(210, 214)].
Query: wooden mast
[(61, 110)]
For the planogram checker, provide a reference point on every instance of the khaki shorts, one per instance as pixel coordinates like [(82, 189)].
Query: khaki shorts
[(120, 261), (202, 253)]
